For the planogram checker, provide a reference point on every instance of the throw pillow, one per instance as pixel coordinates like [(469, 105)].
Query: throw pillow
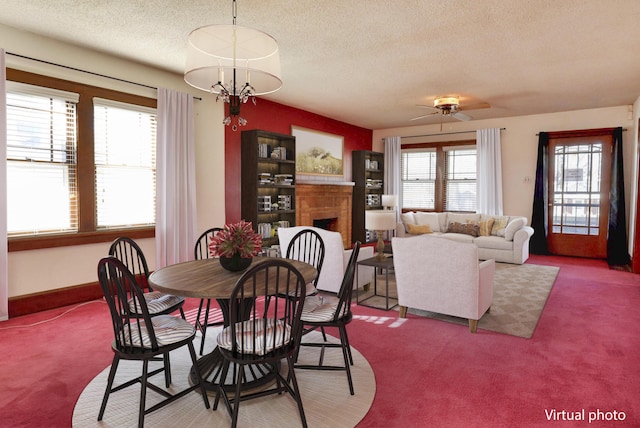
[(415, 229), (408, 218), (431, 219), (485, 227), (499, 224), (470, 228), (514, 225)]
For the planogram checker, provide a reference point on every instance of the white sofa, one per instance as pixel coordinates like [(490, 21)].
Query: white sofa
[(336, 258), (502, 238), (442, 276)]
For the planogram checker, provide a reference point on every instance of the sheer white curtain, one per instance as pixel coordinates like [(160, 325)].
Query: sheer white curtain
[(176, 221), (4, 281), (489, 171), (392, 182)]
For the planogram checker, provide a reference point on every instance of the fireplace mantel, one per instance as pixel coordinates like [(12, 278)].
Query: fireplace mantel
[(322, 200)]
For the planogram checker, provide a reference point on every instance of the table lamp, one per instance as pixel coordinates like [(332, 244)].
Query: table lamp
[(380, 220), (390, 201)]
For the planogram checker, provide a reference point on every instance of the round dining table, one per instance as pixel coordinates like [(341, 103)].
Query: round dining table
[(207, 279)]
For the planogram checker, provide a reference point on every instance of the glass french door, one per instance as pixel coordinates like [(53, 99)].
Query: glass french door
[(579, 181)]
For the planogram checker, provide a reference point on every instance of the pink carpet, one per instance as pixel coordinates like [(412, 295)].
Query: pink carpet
[(584, 355)]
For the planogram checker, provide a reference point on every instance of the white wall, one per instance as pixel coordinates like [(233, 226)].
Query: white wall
[(47, 269), (520, 147)]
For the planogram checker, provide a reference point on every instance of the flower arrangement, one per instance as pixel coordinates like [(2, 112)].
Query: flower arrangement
[(238, 238)]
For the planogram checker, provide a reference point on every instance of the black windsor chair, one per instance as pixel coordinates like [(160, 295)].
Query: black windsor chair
[(142, 337), (200, 252), (262, 334), (328, 310)]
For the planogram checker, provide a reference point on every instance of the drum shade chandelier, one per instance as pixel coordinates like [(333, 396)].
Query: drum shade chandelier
[(246, 57)]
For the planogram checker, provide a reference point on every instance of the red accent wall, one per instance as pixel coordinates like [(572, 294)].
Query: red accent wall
[(275, 117)]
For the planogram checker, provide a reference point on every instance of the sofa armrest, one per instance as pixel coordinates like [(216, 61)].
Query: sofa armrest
[(400, 230), (485, 288), (521, 244)]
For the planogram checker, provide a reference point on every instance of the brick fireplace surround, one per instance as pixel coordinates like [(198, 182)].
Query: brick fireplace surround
[(320, 201)]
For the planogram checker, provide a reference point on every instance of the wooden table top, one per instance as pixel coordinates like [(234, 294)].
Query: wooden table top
[(206, 279)]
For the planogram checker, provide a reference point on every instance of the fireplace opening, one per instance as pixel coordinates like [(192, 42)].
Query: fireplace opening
[(326, 223)]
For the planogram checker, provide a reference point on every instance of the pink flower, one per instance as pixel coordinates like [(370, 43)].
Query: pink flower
[(236, 238)]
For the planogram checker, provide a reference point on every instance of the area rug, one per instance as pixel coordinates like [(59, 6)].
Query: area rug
[(325, 396), (519, 295)]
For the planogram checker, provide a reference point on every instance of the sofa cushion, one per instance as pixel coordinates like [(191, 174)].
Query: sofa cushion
[(485, 227), (493, 243), (469, 228), (515, 224), (461, 218), (408, 218), (499, 223), (415, 229), (431, 219), (458, 237)]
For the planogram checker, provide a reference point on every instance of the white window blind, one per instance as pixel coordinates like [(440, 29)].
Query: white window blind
[(125, 164), (460, 179), (418, 169), (41, 160)]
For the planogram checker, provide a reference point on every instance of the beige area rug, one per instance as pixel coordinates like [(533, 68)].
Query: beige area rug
[(519, 295), (325, 397)]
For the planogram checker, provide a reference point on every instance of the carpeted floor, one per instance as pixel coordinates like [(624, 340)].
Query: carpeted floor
[(520, 293), (325, 397)]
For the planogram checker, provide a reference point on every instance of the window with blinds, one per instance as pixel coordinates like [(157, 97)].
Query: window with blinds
[(125, 164), (41, 160), (418, 169), (460, 179), (439, 177)]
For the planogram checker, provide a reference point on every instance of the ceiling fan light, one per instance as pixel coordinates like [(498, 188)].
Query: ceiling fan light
[(441, 102)]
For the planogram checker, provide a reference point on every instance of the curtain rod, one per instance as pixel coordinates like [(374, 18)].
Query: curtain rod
[(85, 71), (442, 133), (623, 130)]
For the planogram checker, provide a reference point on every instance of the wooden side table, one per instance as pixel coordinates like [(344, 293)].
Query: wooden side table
[(385, 265)]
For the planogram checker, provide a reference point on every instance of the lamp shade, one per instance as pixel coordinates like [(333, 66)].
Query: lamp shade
[(216, 52), (379, 220), (390, 201)]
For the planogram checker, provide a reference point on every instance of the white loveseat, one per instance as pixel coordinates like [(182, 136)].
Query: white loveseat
[(502, 238), (442, 276), (336, 258)]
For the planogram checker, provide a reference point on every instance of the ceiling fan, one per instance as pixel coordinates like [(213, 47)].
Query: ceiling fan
[(450, 106)]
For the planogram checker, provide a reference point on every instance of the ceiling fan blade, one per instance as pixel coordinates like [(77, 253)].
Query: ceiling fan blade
[(475, 106), (461, 116), (423, 116), (429, 107)]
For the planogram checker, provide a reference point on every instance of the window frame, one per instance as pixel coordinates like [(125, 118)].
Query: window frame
[(440, 189), (87, 232)]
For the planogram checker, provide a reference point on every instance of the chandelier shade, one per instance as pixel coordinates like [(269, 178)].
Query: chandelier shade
[(232, 58), (237, 63)]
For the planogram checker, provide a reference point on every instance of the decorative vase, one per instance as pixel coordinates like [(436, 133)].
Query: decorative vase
[(235, 263)]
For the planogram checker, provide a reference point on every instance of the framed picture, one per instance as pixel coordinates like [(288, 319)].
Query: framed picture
[(318, 153)]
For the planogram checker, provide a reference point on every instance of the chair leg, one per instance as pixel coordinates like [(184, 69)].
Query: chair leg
[(294, 383), (107, 391), (473, 325), (143, 392), (167, 370), (194, 360), (236, 399), (347, 344), (346, 353), (203, 327), (182, 313)]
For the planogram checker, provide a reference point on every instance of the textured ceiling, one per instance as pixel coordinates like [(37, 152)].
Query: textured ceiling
[(370, 62)]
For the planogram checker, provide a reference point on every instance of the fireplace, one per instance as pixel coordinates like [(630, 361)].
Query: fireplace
[(326, 223), (326, 205)]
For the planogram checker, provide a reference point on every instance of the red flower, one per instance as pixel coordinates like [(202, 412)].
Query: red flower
[(236, 238)]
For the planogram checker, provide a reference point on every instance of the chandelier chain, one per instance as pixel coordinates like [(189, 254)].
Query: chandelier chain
[(234, 11)]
